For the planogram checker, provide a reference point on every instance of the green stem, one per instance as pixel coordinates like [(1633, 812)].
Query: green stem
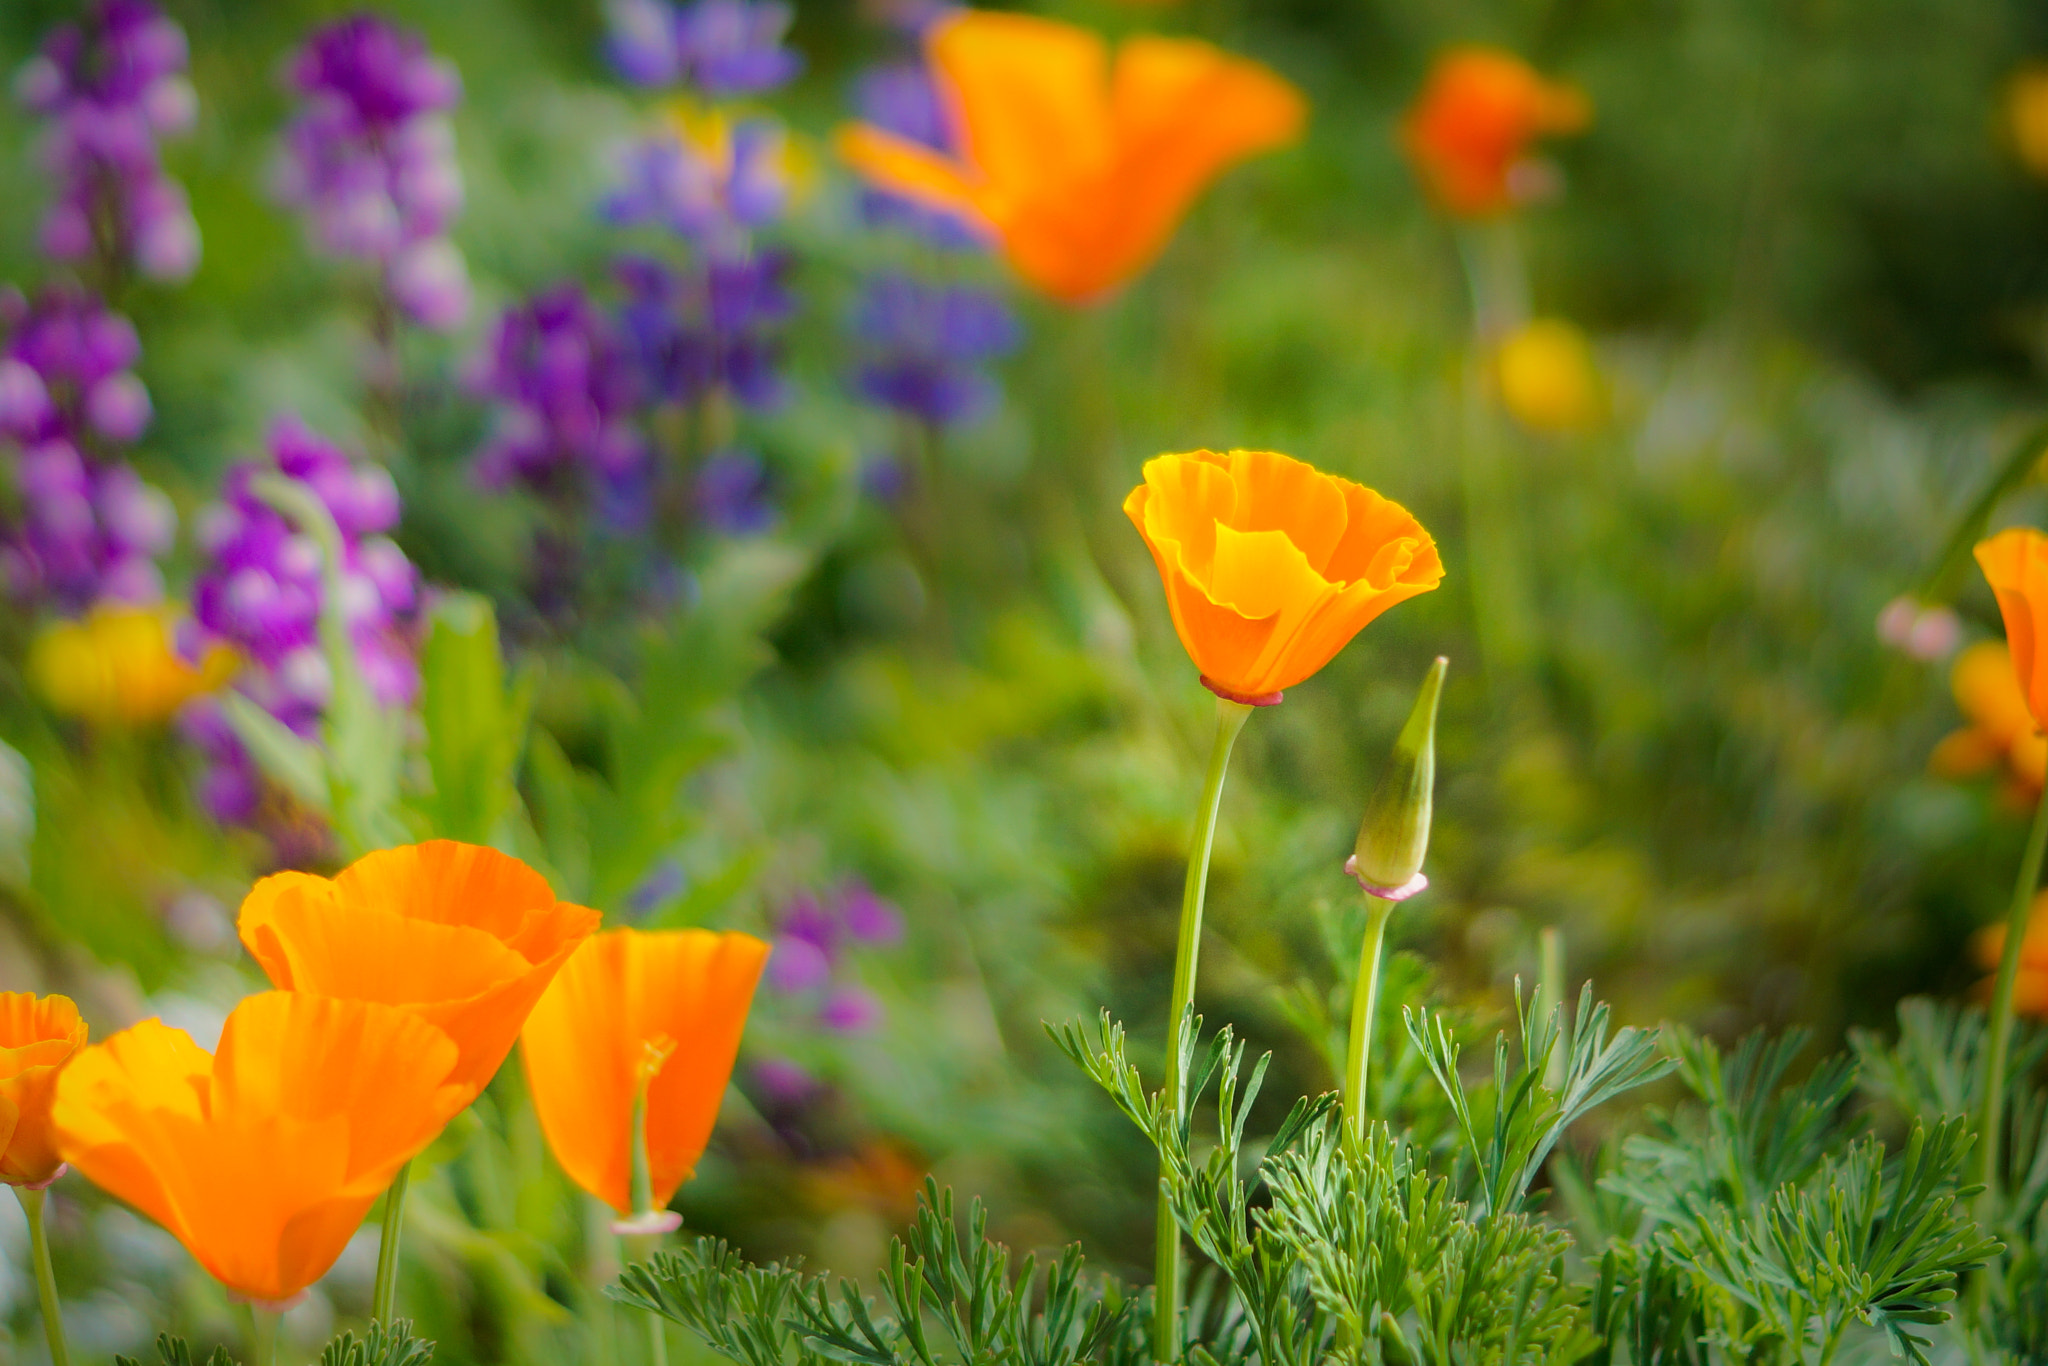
[(1550, 984), (1230, 719), (385, 1300), (1365, 1001), (641, 1249), (262, 1336), (1991, 1122), (46, 1276)]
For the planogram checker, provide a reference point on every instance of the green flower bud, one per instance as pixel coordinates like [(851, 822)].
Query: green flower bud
[(1394, 835)]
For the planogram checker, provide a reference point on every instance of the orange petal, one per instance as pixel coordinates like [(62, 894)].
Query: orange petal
[(1276, 492), (907, 168), (1029, 98), (38, 1036), (1988, 692), (694, 987), (2015, 562)]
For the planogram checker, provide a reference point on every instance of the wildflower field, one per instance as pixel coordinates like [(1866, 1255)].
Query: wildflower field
[(1131, 682)]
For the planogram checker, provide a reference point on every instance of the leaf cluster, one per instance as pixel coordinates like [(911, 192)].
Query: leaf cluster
[(945, 1301)]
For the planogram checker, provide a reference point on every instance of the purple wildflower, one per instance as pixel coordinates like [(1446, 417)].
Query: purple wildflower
[(781, 1081), (711, 327), (262, 592), (87, 527), (109, 87), (370, 160), (868, 919), (850, 1010), (733, 490), (928, 344), (723, 47), (712, 187), (796, 965), (565, 390)]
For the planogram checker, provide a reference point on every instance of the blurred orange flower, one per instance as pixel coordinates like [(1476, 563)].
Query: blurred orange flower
[(2030, 990), (1468, 132), (2015, 562), (2026, 114), (462, 935), (118, 666), (263, 1157), (38, 1035), (1548, 379), (1082, 168), (659, 1013), (1999, 729), (1270, 565)]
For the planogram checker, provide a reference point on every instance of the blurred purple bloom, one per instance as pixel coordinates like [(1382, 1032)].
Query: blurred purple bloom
[(899, 97), (850, 1010), (710, 327), (723, 47), (109, 87), (370, 160), (661, 885), (712, 193), (86, 527), (808, 918), (565, 390), (733, 494), (927, 344), (782, 1082), (867, 917), (797, 965), (884, 477)]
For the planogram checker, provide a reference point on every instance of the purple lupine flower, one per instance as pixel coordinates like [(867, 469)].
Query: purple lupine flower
[(723, 47), (867, 917), (850, 1009), (734, 47), (370, 160), (109, 88), (715, 326), (927, 345), (86, 526), (796, 965), (565, 390), (781, 1081), (733, 490), (712, 187)]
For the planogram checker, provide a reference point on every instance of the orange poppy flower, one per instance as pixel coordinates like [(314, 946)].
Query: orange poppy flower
[(1469, 130), (1081, 167), (262, 1158), (657, 1012), (2030, 988), (2015, 562), (1270, 565), (1999, 729), (461, 934), (38, 1035)]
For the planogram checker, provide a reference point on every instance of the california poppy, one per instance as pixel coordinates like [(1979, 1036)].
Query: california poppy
[(2015, 562), (635, 1013), (1468, 132), (118, 666), (466, 937), (1998, 729), (38, 1035), (1081, 167), (2030, 988), (263, 1157), (1270, 565)]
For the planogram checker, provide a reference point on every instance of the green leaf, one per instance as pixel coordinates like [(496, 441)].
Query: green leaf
[(293, 764), (475, 725)]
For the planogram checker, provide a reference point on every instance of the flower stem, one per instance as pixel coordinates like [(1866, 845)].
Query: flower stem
[(262, 1336), (46, 1277), (1991, 1123), (385, 1299), (640, 1249), (1230, 719), (1365, 999)]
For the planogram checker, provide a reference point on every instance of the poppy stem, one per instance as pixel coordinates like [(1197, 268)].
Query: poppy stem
[(1365, 1000), (1230, 719), (385, 1299), (46, 1277), (1991, 1122), (262, 1336), (640, 1249)]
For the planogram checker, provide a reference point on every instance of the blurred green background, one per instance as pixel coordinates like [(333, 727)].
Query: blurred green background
[(1814, 273)]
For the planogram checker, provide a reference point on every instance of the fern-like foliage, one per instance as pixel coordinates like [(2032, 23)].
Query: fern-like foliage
[(982, 1312), (381, 1344), (1508, 1141), (173, 1351)]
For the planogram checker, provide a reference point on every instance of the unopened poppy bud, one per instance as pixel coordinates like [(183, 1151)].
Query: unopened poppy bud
[(1394, 835)]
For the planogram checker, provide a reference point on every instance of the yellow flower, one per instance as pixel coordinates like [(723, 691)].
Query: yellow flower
[(2026, 115), (118, 666), (1548, 379)]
